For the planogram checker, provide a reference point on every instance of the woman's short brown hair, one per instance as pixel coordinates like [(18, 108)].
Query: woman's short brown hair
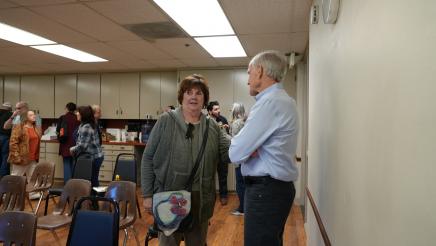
[(194, 81)]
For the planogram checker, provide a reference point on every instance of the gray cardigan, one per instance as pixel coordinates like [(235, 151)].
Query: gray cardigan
[(167, 159)]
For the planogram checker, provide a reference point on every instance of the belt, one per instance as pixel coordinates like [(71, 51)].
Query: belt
[(251, 180)]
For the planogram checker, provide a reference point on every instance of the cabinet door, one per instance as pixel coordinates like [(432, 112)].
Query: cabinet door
[(1, 88), (110, 96), (65, 92), (220, 87), (88, 89), (38, 91), (168, 89), (150, 94), (11, 89), (241, 89), (129, 95)]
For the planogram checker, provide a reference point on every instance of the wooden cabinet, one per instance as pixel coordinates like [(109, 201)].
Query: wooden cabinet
[(11, 89), (50, 152), (110, 155), (220, 87), (120, 96), (38, 91), (1, 89), (241, 90), (150, 95), (168, 89), (65, 92), (88, 89)]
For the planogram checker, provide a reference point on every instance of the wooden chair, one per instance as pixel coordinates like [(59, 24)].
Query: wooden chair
[(61, 216), (12, 191), (41, 180), (124, 193), (17, 228)]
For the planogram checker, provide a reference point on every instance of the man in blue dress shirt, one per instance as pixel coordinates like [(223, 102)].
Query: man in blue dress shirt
[(266, 149)]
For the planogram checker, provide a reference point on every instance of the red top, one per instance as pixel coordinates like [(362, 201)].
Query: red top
[(33, 144)]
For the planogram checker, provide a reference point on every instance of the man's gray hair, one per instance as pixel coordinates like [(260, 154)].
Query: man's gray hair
[(273, 63), (238, 111)]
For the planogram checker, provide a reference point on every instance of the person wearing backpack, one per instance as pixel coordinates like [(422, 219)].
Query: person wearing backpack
[(67, 124)]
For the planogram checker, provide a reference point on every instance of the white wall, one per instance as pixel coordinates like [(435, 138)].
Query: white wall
[(372, 124)]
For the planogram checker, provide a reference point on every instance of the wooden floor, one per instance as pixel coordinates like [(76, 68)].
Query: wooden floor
[(225, 229)]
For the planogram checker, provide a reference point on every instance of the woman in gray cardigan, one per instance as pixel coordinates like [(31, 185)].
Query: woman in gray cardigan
[(170, 155)]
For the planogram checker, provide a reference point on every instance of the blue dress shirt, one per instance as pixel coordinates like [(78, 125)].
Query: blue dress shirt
[(272, 130)]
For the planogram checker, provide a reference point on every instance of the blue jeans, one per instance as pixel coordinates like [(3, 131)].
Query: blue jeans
[(95, 171), (4, 152), (240, 188), (68, 168)]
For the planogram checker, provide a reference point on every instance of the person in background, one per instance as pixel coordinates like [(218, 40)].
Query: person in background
[(24, 147), (20, 108), (99, 161), (5, 114), (238, 121), (88, 139), (169, 157), (222, 168), (266, 148), (68, 124)]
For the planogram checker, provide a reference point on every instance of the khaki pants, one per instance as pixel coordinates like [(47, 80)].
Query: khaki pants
[(21, 170)]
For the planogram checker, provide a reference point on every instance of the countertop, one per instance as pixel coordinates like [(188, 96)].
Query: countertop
[(131, 143)]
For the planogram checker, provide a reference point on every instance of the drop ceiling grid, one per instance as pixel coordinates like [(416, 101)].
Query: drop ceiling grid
[(81, 18), (128, 11), (27, 20)]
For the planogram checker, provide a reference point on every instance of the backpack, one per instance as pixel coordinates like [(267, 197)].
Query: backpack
[(62, 130)]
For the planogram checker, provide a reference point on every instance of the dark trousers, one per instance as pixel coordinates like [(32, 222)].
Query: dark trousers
[(240, 188), (4, 153), (222, 170), (96, 164), (267, 205)]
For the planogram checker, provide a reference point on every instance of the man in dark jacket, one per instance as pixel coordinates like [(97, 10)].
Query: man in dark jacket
[(67, 125), (5, 114), (222, 168)]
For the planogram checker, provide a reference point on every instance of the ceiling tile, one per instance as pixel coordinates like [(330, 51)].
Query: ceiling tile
[(40, 2), (6, 4), (233, 62), (254, 44), (177, 48), (22, 55), (87, 21), (140, 49), (260, 16), (200, 62), (301, 16), (4, 43), (32, 22), (171, 63), (129, 11)]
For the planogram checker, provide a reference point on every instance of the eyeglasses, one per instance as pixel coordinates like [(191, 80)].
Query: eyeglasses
[(189, 134)]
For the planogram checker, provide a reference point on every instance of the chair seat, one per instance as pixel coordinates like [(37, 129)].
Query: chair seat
[(53, 221)]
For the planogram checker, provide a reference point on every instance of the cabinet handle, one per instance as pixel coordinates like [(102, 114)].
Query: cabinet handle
[(117, 111), (121, 111)]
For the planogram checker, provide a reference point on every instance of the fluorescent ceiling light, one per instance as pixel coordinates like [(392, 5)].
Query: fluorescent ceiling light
[(198, 17), (22, 37), (222, 46), (68, 52)]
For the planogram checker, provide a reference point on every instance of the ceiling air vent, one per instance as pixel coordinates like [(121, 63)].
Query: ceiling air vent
[(156, 30)]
